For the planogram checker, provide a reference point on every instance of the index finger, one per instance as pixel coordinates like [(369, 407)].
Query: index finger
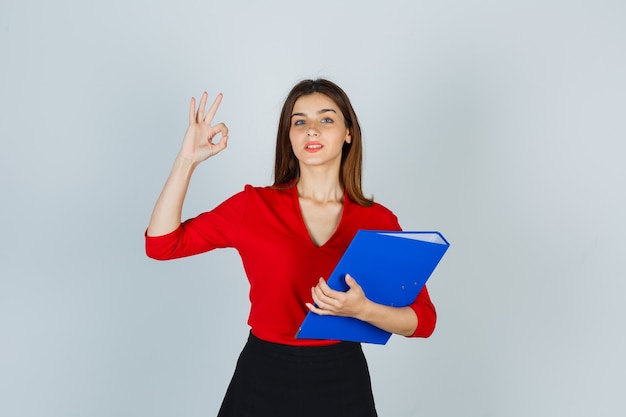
[(325, 288), (213, 109)]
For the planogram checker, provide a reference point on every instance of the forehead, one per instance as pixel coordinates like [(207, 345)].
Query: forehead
[(311, 103)]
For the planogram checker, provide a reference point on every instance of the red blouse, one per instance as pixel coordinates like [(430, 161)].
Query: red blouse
[(265, 226)]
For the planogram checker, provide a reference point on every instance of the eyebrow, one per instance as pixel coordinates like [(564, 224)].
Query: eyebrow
[(318, 112)]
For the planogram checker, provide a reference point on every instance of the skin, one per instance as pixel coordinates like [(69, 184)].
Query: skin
[(197, 146), (317, 135)]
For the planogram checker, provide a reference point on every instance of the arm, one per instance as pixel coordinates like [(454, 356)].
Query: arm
[(354, 303), (197, 146)]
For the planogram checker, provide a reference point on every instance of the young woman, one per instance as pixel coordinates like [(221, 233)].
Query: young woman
[(290, 236)]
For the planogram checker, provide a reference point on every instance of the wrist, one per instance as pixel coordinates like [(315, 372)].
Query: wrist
[(184, 164), (367, 312)]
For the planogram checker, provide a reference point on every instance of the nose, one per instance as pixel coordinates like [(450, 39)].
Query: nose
[(312, 131)]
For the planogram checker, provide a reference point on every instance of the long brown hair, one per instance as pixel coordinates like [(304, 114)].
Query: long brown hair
[(286, 165)]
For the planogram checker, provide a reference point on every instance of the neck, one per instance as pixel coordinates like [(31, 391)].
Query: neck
[(321, 187)]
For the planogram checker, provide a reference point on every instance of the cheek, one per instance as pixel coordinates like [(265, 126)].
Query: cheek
[(292, 138), (295, 133)]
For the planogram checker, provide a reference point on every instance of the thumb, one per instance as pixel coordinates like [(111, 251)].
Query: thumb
[(351, 282)]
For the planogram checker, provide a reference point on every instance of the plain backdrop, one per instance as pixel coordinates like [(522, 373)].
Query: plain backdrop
[(499, 123)]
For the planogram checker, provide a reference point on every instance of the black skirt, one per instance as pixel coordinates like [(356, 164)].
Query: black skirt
[(274, 380)]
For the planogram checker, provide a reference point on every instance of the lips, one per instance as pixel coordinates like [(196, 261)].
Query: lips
[(313, 146)]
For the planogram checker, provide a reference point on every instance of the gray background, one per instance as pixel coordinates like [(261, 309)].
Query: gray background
[(499, 123)]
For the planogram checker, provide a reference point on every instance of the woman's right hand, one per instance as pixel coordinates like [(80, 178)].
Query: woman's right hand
[(197, 146), (198, 141)]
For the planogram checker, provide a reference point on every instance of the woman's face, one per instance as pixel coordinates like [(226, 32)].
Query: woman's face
[(318, 131)]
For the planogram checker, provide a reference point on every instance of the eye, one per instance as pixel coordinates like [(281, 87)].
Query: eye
[(298, 122), (327, 120)]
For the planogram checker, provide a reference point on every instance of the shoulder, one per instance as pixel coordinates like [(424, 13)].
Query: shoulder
[(382, 210), (264, 195), (385, 214), (268, 191), (249, 200), (375, 216)]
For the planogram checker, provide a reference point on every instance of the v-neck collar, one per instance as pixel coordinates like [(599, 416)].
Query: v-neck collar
[(303, 228)]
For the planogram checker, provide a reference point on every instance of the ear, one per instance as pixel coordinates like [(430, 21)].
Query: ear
[(348, 137)]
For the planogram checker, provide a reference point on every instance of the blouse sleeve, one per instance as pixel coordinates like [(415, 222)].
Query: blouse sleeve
[(214, 229), (422, 305), (426, 314)]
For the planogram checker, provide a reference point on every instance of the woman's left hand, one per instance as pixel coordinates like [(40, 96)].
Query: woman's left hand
[(351, 303)]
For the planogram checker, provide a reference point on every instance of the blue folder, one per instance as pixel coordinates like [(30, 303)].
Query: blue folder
[(391, 267)]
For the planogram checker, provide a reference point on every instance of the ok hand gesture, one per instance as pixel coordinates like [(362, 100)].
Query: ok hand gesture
[(198, 141)]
